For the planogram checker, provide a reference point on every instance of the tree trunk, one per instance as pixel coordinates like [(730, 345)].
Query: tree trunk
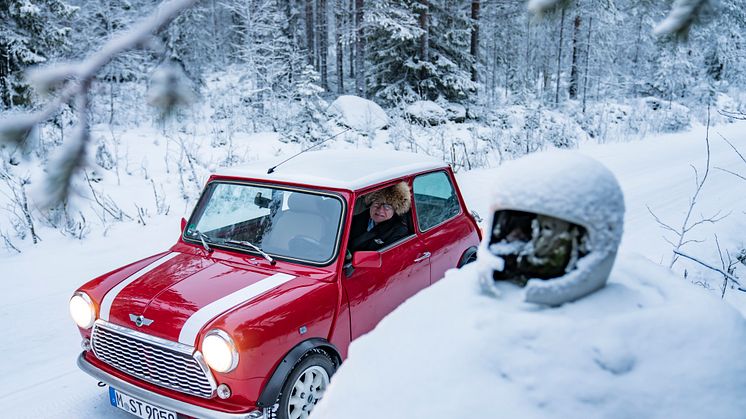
[(350, 42), (310, 34), (559, 57), (339, 24), (291, 31), (573, 88), (587, 59), (425, 39), (323, 43), (359, 49), (474, 50), (4, 74)]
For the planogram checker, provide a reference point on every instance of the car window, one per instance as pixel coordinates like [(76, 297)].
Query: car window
[(293, 224), (435, 199)]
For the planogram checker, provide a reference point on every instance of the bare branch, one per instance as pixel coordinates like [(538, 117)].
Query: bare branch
[(660, 222), (725, 274), (732, 173), (685, 225), (733, 147), (733, 114)]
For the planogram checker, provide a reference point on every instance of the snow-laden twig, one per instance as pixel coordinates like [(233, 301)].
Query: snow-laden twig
[(681, 17)]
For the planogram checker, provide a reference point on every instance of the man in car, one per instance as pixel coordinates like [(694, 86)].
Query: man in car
[(382, 224)]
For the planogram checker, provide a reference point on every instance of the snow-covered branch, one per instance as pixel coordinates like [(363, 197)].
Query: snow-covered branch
[(681, 17), (72, 82)]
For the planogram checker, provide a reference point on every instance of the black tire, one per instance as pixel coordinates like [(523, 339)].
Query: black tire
[(315, 359), (468, 257)]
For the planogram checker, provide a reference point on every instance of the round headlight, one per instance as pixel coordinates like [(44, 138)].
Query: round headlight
[(219, 351), (82, 310)]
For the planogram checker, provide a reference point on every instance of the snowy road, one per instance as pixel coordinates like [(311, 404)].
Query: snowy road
[(41, 343)]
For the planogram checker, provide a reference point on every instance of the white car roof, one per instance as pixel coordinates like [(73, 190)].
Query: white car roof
[(343, 169)]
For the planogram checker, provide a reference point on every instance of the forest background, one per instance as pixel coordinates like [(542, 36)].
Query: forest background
[(472, 82)]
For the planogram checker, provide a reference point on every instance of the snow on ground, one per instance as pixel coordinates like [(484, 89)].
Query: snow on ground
[(40, 378), (650, 344)]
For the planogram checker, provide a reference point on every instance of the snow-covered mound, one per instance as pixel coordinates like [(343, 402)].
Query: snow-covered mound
[(358, 113), (648, 345), (426, 112)]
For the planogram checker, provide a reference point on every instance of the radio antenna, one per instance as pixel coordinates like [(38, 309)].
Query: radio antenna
[(272, 169)]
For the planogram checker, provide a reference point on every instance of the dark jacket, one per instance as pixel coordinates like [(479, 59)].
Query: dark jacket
[(379, 236)]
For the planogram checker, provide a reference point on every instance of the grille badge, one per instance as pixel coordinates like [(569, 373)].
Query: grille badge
[(140, 320)]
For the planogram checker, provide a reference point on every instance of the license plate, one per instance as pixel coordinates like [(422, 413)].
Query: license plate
[(137, 407)]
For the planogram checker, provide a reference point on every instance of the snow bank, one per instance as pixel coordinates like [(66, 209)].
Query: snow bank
[(647, 345), (358, 113)]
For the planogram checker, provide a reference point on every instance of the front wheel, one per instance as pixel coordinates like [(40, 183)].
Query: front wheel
[(305, 386)]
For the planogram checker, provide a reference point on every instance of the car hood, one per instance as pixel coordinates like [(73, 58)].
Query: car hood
[(178, 294)]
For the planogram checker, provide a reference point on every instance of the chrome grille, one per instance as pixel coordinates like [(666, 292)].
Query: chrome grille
[(157, 361)]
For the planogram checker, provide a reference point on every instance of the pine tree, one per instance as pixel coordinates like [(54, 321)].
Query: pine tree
[(32, 32)]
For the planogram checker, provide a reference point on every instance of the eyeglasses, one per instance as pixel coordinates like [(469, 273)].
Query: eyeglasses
[(378, 205)]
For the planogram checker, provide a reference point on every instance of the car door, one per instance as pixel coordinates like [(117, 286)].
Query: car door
[(374, 292), (445, 230)]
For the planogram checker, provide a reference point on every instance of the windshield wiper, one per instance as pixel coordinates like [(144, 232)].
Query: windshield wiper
[(204, 238), (244, 243)]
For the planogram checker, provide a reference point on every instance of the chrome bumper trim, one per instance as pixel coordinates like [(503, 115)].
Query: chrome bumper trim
[(160, 400)]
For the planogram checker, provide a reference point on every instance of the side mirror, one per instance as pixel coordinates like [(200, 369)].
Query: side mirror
[(183, 224), (366, 259)]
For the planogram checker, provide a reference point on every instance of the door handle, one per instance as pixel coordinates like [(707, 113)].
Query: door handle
[(422, 257)]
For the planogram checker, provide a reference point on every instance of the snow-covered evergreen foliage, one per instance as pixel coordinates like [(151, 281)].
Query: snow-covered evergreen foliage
[(420, 50)]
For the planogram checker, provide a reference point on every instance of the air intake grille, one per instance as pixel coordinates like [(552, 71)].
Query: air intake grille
[(163, 363)]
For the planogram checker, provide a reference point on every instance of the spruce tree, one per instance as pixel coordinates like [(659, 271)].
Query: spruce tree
[(420, 50)]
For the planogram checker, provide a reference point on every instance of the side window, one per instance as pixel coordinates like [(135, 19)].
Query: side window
[(434, 199)]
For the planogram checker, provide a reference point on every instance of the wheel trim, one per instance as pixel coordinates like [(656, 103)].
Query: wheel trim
[(307, 390)]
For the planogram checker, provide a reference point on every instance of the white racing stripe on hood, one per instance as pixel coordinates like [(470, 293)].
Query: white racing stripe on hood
[(114, 292), (201, 317)]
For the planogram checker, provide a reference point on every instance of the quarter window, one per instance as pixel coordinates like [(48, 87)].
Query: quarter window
[(435, 199)]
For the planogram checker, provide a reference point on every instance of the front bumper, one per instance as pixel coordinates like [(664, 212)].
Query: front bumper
[(159, 400)]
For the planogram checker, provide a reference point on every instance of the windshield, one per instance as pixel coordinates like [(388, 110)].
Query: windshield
[(286, 223)]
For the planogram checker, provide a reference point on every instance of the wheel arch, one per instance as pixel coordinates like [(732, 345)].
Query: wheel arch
[(272, 389), (467, 256)]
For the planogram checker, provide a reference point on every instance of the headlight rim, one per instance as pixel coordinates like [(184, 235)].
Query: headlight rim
[(226, 337), (88, 300)]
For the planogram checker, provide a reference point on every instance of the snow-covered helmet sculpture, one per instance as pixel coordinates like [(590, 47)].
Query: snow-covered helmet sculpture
[(555, 224)]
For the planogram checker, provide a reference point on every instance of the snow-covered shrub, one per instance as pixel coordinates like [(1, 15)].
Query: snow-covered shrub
[(525, 130), (665, 116), (426, 112)]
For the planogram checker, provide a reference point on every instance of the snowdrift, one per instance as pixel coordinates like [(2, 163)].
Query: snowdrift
[(649, 345), (360, 114)]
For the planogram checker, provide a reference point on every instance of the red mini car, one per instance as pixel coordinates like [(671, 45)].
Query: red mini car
[(253, 309)]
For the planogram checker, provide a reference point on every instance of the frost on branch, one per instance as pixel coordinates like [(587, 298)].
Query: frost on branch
[(682, 15), (72, 82)]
